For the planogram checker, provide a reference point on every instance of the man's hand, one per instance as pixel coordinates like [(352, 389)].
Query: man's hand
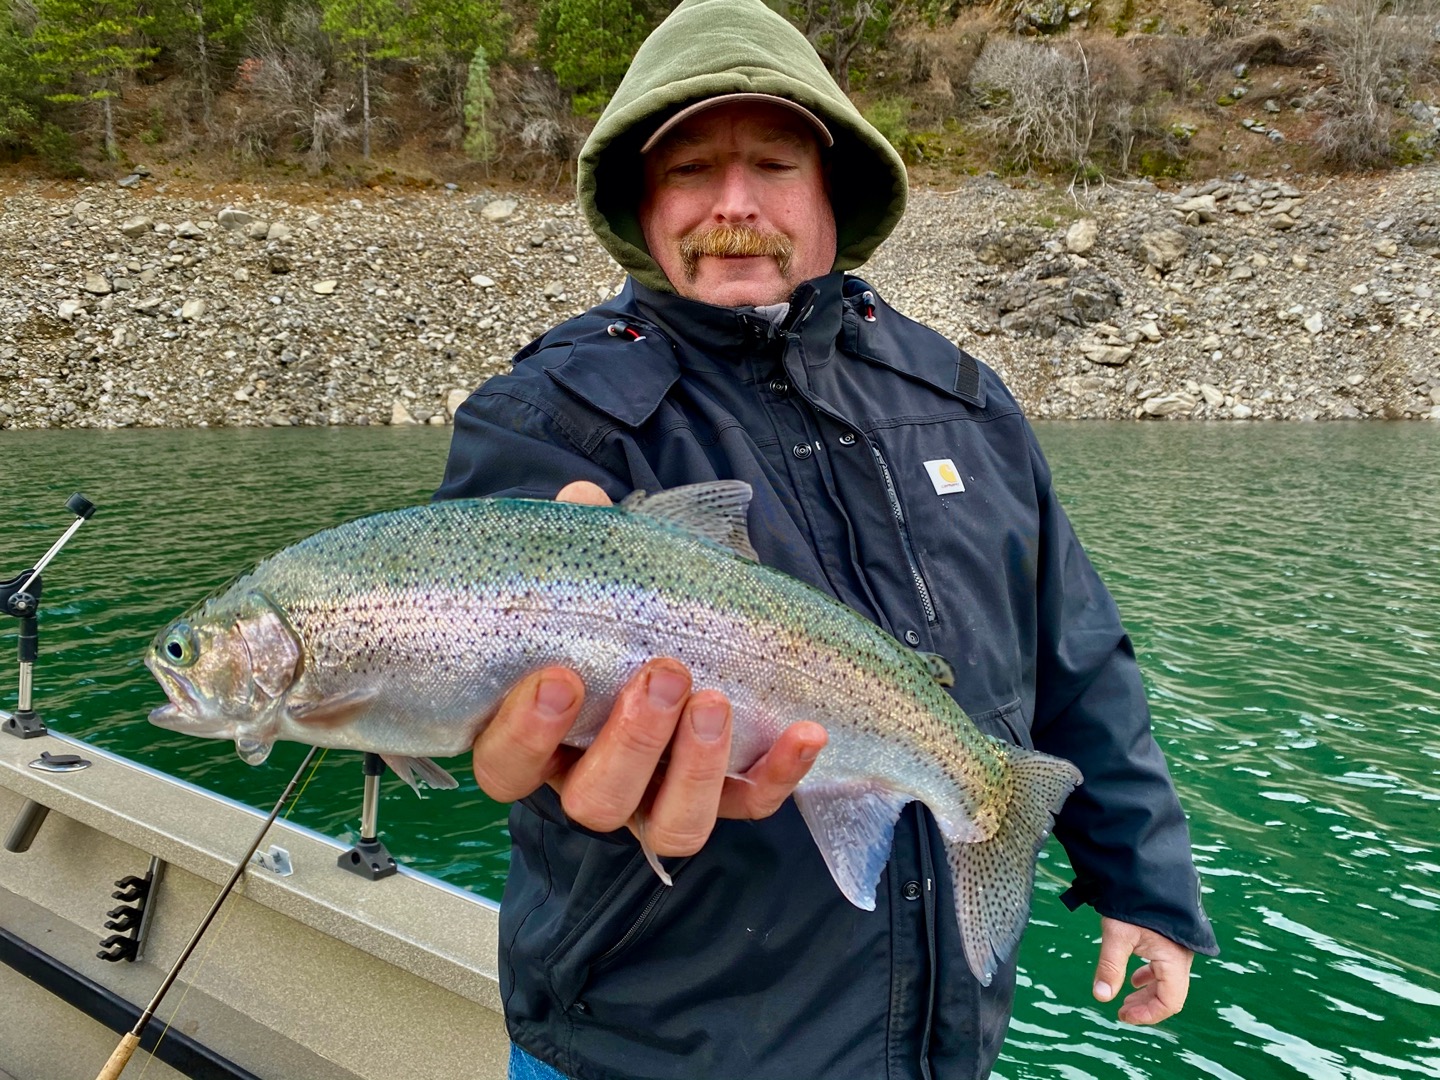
[(1161, 983), (658, 715)]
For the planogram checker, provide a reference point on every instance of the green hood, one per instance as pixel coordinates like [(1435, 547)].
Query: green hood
[(710, 47)]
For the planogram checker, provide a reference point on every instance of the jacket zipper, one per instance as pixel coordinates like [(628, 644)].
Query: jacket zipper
[(920, 587), (636, 928)]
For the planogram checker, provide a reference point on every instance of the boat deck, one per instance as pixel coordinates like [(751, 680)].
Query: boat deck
[(320, 974)]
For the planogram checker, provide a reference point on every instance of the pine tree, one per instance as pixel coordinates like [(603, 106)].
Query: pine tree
[(17, 82), (204, 35), (479, 139), (90, 46), (589, 43), (365, 33)]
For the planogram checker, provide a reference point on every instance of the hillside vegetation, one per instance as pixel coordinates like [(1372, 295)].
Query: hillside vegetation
[(365, 91)]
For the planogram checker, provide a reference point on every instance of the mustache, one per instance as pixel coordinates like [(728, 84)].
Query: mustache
[(735, 240)]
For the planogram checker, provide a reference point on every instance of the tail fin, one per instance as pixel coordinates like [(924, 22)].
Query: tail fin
[(992, 879)]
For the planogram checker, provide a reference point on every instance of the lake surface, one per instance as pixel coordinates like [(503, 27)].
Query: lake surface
[(1282, 585)]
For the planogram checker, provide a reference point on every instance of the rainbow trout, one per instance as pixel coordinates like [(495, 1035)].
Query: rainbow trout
[(400, 633)]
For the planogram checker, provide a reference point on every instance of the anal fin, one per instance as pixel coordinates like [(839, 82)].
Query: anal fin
[(853, 823), (414, 769)]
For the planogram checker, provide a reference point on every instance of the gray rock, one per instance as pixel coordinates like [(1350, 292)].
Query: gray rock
[(1008, 247), (188, 230), (1212, 395), (69, 309), (1040, 305), (1164, 248), (481, 281), (192, 309), (1109, 355), (1314, 323), (555, 290), (454, 400), (234, 219), (1201, 208), (1168, 404), (499, 210), (133, 180), (257, 230), (136, 226), (1081, 236), (96, 285), (399, 414), (324, 288), (279, 231)]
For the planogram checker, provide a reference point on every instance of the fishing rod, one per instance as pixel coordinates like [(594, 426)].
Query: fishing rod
[(118, 1060)]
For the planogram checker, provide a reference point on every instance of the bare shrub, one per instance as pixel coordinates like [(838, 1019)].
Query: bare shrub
[(441, 88), (541, 132), (1065, 104), (939, 60), (1184, 65), (289, 92), (1374, 47)]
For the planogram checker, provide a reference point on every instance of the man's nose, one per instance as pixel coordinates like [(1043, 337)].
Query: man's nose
[(735, 200)]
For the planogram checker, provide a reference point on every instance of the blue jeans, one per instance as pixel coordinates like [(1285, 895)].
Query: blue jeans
[(525, 1067)]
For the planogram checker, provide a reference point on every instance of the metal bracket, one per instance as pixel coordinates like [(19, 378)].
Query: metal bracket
[(276, 860)]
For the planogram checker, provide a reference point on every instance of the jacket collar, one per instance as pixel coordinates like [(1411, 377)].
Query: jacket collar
[(705, 334), (669, 333)]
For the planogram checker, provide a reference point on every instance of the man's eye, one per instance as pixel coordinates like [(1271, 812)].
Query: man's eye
[(688, 168)]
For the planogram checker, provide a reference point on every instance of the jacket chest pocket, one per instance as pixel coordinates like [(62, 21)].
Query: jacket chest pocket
[(972, 526)]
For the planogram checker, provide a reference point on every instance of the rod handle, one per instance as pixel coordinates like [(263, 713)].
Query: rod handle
[(120, 1058)]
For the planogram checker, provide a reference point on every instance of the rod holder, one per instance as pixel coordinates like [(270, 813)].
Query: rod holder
[(20, 598), (369, 858), (27, 823)]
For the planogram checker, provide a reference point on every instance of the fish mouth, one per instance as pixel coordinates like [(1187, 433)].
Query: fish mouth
[(185, 709)]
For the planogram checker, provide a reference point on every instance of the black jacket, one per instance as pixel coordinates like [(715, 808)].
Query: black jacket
[(754, 966)]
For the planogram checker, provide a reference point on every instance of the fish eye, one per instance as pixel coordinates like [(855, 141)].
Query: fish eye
[(180, 646)]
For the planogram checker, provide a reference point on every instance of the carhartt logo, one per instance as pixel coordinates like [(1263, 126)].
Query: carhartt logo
[(944, 476)]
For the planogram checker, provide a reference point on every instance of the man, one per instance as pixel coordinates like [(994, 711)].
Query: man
[(735, 183)]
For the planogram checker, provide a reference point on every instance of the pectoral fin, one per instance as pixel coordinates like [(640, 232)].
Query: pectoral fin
[(853, 824), (333, 711), (414, 769), (637, 823)]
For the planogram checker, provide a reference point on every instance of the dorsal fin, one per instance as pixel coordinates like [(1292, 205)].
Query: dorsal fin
[(715, 510), (939, 668)]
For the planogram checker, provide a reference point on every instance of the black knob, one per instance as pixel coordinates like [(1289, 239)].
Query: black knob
[(80, 506)]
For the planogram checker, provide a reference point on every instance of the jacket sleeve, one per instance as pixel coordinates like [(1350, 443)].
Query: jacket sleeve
[(506, 443), (1123, 828)]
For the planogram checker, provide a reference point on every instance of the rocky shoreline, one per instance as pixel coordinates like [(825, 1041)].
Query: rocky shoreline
[(163, 303)]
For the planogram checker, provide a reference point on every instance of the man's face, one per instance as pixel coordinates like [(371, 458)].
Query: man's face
[(736, 208)]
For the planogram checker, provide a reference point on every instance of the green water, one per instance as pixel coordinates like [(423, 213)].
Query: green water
[(1283, 588)]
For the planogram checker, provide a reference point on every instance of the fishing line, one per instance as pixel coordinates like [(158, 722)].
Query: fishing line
[(220, 930), (130, 1041)]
